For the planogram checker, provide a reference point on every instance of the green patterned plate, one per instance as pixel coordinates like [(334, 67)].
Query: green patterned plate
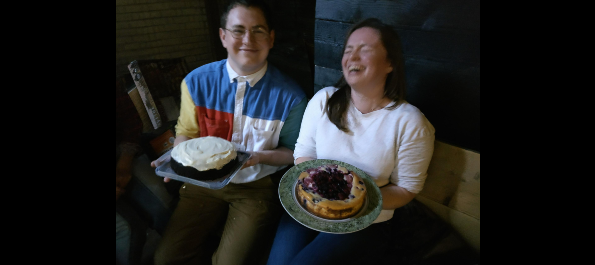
[(361, 221)]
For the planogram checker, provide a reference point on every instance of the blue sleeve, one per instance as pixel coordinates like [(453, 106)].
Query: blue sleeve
[(291, 128)]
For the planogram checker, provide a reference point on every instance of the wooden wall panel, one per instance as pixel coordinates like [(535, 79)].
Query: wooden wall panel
[(294, 41), (452, 15), (448, 94), (441, 46), (326, 77)]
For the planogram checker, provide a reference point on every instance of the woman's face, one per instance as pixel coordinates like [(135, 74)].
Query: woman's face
[(365, 61)]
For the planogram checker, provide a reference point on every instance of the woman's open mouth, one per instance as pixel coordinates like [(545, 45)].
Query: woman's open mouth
[(356, 68)]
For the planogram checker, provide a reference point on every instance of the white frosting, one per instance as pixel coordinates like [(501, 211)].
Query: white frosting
[(204, 153)]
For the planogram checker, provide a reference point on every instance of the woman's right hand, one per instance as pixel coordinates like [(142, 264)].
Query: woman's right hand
[(303, 159)]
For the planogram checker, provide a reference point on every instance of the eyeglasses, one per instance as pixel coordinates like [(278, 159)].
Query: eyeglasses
[(259, 34)]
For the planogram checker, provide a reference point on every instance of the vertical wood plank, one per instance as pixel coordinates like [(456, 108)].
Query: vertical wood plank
[(455, 179)]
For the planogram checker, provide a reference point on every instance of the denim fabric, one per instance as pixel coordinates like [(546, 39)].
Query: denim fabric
[(123, 233), (146, 203), (132, 232), (296, 244)]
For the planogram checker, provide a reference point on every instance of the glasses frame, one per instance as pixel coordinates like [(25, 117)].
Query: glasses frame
[(268, 34)]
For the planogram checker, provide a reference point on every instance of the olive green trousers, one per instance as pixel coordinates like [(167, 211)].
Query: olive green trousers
[(247, 215)]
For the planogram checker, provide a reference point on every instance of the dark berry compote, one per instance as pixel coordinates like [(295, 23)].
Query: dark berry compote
[(329, 182)]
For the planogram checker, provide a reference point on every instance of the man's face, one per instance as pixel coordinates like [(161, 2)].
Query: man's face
[(248, 54)]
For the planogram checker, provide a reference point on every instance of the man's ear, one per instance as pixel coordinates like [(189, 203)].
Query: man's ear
[(222, 37), (272, 39)]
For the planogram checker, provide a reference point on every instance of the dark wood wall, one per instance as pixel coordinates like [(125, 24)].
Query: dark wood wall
[(441, 42)]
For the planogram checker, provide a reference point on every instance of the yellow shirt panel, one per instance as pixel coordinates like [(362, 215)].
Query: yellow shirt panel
[(188, 121)]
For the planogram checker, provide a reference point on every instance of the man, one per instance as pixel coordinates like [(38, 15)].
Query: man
[(259, 109)]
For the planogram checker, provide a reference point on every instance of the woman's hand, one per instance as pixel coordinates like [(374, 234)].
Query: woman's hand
[(302, 160)]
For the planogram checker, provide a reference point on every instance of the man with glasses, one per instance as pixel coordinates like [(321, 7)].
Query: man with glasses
[(249, 102)]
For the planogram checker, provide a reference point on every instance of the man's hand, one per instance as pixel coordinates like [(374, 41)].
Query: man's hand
[(253, 161), (159, 162), (281, 156), (162, 160)]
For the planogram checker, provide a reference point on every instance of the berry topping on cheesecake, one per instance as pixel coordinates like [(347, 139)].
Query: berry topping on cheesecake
[(331, 192)]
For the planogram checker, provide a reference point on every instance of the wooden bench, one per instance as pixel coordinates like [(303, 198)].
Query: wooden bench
[(453, 190)]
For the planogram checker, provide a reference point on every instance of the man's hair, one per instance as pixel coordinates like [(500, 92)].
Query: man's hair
[(395, 87), (249, 3)]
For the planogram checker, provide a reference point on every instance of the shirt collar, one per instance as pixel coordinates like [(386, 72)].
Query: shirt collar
[(252, 79)]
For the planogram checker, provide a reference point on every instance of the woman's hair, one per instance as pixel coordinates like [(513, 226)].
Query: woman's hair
[(395, 88), (249, 3)]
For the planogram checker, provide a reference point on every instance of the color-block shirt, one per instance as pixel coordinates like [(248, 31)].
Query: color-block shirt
[(259, 112)]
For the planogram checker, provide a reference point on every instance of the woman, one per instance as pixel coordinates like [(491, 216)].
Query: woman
[(366, 122)]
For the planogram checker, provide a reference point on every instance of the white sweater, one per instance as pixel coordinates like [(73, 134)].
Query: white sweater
[(391, 146)]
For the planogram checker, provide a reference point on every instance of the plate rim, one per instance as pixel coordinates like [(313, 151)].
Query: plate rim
[(322, 225)]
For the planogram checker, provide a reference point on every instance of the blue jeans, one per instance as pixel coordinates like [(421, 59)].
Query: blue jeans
[(123, 233), (131, 233), (296, 244)]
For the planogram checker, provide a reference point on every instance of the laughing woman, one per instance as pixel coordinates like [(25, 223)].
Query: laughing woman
[(363, 121)]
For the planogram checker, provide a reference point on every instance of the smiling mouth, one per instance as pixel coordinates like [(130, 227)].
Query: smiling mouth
[(356, 68)]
